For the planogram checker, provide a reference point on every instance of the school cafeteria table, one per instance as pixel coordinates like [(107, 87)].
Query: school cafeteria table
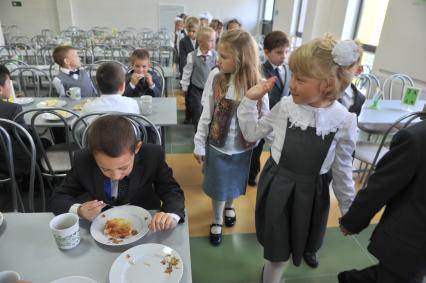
[(389, 112), (28, 247), (164, 112)]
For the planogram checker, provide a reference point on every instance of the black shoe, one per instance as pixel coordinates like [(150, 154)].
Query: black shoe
[(230, 221), (187, 121), (215, 239), (343, 277), (311, 259), (252, 182)]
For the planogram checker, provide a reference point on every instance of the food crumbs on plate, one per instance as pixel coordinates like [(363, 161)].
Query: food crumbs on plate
[(146, 218), (170, 261), (134, 232), (115, 241), (131, 260), (103, 215)]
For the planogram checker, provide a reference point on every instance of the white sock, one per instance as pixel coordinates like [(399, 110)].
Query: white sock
[(218, 207), (229, 212), (273, 271)]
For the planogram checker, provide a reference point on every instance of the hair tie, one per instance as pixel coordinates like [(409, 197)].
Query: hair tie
[(345, 53)]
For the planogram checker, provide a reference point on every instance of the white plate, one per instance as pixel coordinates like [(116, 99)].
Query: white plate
[(23, 100), (138, 217), (74, 279), (147, 262), (53, 117), (57, 103), (9, 276), (1, 218)]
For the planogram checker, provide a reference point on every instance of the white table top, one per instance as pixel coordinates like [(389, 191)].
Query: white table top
[(28, 247), (164, 111), (390, 111)]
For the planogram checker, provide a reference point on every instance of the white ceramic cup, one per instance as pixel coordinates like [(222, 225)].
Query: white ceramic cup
[(74, 93), (9, 276), (66, 230), (146, 105)]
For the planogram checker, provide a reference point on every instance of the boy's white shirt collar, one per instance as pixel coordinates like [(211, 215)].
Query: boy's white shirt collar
[(111, 95), (67, 71), (199, 53), (275, 66)]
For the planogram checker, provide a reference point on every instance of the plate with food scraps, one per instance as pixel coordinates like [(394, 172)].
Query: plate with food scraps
[(53, 117), (155, 263), (52, 103), (120, 225), (23, 100)]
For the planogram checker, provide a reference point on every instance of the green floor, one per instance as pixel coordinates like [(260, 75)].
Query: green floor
[(239, 259)]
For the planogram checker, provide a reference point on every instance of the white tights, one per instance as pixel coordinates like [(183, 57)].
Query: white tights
[(273, 271)]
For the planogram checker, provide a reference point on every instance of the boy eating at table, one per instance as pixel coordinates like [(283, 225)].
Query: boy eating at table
[(141, 80), (117, 169), (71, 74)]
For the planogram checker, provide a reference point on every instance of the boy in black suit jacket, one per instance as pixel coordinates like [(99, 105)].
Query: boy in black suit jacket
[(399, 240), (187, 45), (141, 80), (276, 45), (118, 169), (9, 111)]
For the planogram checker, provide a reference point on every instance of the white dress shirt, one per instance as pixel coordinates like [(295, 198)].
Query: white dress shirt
[(334, 118), (189, 67), (208, 103), (112, 102), (281, 71), (348, 97)]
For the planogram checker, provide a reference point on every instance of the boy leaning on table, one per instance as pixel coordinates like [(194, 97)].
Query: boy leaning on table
[(117, 169)]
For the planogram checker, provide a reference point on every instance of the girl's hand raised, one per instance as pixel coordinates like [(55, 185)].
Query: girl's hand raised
[(259, 90)]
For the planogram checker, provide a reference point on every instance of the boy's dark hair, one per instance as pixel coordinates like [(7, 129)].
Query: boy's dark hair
[(232, 21), (112, 135), (4, 74), (139, 54), (110, 76), (275, 39), (59, 54)]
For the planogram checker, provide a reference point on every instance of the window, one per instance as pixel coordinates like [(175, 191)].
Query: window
[(372, 15), (269, 10)]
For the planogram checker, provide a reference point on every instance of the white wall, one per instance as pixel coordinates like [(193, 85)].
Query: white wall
[(35, 15), (402, 46), (32, 17)]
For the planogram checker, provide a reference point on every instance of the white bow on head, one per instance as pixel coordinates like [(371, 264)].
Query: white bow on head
[(345, 53)]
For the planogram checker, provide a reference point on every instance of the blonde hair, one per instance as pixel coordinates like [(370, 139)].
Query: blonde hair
[(192, 22), (314, 60), (204, 32), (243, 48)]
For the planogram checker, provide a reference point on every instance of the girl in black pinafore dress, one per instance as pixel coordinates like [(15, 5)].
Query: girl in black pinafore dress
[(313, 134)]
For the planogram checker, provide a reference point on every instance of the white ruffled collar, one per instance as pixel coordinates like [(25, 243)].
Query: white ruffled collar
[(324, 120)]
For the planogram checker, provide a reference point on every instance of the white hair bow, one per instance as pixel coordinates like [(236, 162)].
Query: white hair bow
[(345, 53)]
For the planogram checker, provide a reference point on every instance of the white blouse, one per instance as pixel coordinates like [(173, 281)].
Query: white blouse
[(334, 118), (207, 101)]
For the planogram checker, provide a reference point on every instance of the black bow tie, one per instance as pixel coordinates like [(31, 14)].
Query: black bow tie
[(74, 73)]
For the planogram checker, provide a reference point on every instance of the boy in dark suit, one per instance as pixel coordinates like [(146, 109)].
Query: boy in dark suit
[(8, 111), (187, 45), (399, 240), (141, 80), (117, 169), (276, 45)]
